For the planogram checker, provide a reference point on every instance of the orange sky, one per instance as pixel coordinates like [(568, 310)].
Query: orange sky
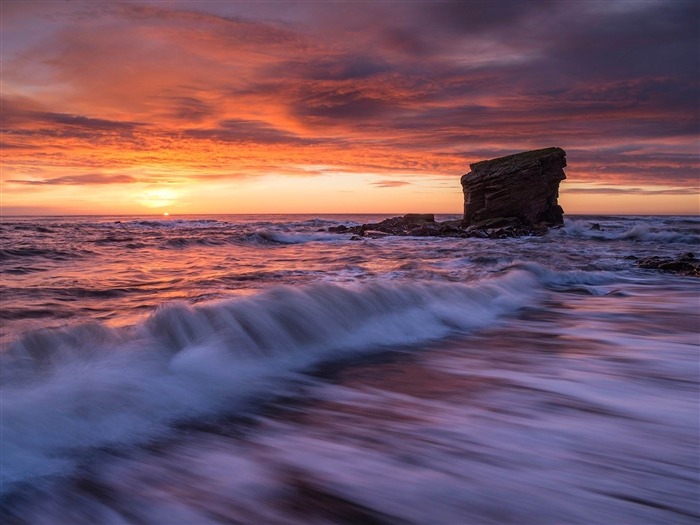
[(306, 107)]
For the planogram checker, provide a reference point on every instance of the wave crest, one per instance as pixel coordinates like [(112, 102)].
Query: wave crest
[(637, 233), (66, 391)]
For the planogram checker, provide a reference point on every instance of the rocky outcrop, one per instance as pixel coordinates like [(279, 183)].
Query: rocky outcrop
[(425, 225), (414, 224), (684, 264), (511, 196), (520, 189)]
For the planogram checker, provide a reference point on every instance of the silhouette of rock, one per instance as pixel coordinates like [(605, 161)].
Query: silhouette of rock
[(510, 196), (518, 189)]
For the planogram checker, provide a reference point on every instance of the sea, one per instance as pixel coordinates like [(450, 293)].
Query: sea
[(232, 369)]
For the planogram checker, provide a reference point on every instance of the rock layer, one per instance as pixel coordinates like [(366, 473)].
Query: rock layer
[(523, 187)]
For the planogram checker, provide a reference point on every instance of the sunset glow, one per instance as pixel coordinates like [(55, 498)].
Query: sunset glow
[(294, 107)]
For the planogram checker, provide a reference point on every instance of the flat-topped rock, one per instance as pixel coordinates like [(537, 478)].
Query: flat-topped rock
[(523, 187)]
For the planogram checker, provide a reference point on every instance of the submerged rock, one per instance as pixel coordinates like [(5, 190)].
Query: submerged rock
[(522, 188)]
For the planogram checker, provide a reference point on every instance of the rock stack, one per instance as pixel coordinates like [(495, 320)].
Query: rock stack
[(510, 196), (522, 188)]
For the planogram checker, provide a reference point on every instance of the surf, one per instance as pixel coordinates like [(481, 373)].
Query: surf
[(67, 391)]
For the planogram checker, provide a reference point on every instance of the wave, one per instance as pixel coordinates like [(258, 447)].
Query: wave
[(275, 237), (639, 233), (114, 239), (257, 238), (175, 223), (574, 281), (65, 392), (316, 222), (642, 232), (7, 254), (186, 242)]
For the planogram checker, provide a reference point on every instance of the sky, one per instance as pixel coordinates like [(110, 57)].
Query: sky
[(147, 107)]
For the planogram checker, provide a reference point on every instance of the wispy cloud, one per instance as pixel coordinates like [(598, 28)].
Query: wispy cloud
[(390, 183), (634, 191), (249, 131), (79, 180)]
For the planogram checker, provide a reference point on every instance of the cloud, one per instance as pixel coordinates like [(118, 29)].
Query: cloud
[(484, 16), (241, 130), (189, 108), (83, 121), (204, 88), (18, 146), (390, 183), (633, 191), (339, 105), (15, 115), (80, 180)]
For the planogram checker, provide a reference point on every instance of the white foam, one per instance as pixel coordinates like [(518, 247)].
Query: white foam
[(277, 237), (66, 391), (655, 231)]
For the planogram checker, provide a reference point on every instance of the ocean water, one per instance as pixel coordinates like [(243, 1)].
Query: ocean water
[(259, 370)]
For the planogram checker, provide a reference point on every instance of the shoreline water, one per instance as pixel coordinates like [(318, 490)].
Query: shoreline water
[(267, 372), (440, 407)]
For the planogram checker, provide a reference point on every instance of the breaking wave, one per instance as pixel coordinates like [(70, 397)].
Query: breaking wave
[(257, 238), (638, 233), (66, 392), (173, 224), (642, 232), (276, 237)]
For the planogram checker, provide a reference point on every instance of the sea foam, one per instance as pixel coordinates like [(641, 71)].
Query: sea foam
[(65, 392)]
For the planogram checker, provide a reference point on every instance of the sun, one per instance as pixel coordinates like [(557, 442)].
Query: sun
[(166, 214)]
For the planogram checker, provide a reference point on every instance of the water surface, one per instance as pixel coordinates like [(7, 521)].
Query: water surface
[(257, 369)]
